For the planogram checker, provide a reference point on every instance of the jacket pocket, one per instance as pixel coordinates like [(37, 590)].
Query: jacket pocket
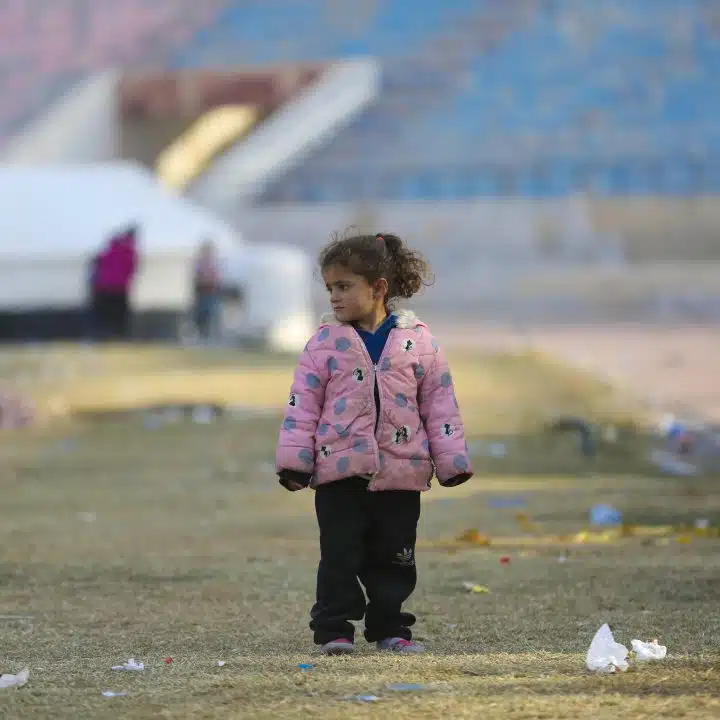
[(402, 429), (337, 424)]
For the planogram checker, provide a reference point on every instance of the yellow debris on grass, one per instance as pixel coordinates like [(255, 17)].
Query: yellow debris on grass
[(660, 534)]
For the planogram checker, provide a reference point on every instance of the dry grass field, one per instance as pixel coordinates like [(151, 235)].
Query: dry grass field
[(125, 539), (671, 367)]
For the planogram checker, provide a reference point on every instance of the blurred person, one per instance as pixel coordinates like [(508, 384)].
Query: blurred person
[(207, 289), (372, 415), (116, 270), (15, 412), (92, 314)]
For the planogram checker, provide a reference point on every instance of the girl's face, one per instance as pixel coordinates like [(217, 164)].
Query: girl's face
[(352, 297)]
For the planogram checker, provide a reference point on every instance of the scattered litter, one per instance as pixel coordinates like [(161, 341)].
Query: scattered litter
[(705, 529), (526, 523), (88, 517), (111, 693), (562, 558), (406, 687), (605, 515), (362, 698), (610, 434), (503, 503), (452, 626), (130, 666), (645, 651), (157, 417), (605, 655), (168, 660), (534, 538), (504, 560), (669, 425), (647, 530), (172, 415), (474, 588), (474, 537), (221, 663), (584, 430), (668, 463), (203, 415), (417, 687), (8, 680), (153, 421), (305, 666), (588, 536), (242, 412)]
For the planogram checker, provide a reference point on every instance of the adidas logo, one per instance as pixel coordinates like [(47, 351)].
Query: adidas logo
[(406, 557)]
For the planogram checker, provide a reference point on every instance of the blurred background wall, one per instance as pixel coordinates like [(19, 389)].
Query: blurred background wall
[(558, 160)]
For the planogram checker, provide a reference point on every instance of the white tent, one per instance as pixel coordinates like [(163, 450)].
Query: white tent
[(53, 220), (277, 283)]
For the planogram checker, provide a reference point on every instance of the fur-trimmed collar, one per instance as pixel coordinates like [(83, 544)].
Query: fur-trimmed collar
[(404, 319)]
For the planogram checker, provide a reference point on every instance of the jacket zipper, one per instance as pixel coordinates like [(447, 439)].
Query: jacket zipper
[(378, 405)]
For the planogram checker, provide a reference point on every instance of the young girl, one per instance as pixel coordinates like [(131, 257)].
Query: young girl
[(372, 415)]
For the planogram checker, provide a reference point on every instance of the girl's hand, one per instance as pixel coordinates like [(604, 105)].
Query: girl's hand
[(293, 480), (457, 480), (293, 486)]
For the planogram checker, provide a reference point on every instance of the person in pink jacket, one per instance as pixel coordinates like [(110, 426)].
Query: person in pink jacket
[(372, 416), (113, 275)]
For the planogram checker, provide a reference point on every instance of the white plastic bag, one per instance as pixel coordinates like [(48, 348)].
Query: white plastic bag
[(645, 651), (18, 680), (130, 666), (605, 655)]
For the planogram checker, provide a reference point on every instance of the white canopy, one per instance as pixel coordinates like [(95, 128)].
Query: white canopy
[(54, 219), (277, 281), (70, 211)]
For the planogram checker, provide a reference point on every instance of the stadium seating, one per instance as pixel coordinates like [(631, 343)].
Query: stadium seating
[(47, 46), (534, 97), (271, 31), (619, 97)]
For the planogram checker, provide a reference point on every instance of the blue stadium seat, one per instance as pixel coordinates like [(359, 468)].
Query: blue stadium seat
[(480, 97), (267, 31), (628, 85)]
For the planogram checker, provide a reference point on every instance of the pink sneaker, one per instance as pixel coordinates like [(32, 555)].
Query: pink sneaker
[(402, 646), (341, 646)]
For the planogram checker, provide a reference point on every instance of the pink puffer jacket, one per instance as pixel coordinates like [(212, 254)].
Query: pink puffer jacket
[(329, 427)]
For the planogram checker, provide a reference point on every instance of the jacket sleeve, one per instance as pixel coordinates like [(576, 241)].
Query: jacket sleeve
[(296, 444), (440, 414)]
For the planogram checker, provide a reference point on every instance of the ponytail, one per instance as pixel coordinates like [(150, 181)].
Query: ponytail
[(380, 256), (408, 271)]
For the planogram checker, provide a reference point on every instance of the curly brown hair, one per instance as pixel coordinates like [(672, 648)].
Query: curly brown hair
[(380, 256)]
